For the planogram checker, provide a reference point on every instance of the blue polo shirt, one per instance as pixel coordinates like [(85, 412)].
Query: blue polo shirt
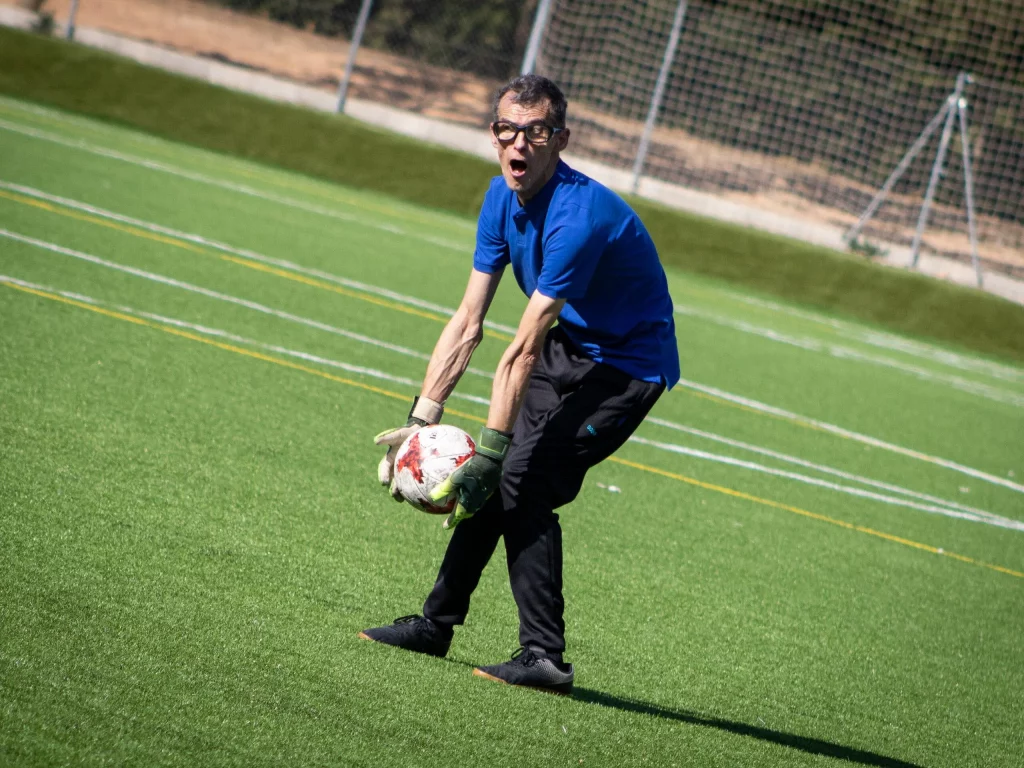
[(578, 240)]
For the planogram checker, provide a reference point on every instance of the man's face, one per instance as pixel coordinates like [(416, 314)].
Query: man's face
[(527, 167)]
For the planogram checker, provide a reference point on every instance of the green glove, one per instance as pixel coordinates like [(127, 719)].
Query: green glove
[(477, 479)]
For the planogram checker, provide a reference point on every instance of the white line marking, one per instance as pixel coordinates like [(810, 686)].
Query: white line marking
[(995, 520), (817, 467), (170, 281), (228, 336), (951, 509), (683, 382), (866, 439), (813, 345), (889, 341), (243, 252), (869, 337), (243, 189), (231, 164)]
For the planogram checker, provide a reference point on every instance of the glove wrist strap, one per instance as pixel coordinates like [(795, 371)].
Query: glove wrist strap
[(493, 444), (426, 411)]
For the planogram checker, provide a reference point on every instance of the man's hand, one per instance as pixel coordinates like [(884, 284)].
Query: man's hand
[(477, 479), (424, 412)]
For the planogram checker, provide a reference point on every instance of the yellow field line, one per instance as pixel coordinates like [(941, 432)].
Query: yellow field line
[(625, 462), (239, 260), (222, 345)]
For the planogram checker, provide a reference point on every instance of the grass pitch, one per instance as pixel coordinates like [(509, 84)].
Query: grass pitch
[(812, 555)]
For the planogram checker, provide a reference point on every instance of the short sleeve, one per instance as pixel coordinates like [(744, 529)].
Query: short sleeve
[(491, 254), (573, 246)]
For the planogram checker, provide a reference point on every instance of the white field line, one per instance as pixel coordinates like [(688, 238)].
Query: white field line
[(245, 253), (227, 336), (170, 281), (805, 343), (865, 439), (231, 164), (847, 353), (890, 341), (950, 509), (1001, 522), (818, 467), (403, 350), (869, 337), (142, 162)]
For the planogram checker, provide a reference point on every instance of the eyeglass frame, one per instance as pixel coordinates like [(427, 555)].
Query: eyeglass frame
[(523, 130)]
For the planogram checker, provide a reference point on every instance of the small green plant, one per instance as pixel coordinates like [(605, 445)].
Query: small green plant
[(867, 248)]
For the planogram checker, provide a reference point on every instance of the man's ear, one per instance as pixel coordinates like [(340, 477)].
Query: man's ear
[(563, 140)]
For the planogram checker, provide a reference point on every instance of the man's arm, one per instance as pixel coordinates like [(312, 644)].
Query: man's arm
[(513, 374), (460, 337), (478, 478)]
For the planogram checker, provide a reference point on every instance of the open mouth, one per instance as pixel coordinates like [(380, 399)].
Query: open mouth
[(517, 167)]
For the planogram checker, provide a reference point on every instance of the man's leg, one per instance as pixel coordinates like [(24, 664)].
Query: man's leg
[(470, 548), (589, 424), (596, 410), (474, 540)]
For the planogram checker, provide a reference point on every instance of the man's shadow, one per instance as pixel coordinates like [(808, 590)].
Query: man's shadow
[(791, 740), (802, 743)]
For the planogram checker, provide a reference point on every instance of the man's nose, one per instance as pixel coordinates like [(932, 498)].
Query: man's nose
[(520, 143)]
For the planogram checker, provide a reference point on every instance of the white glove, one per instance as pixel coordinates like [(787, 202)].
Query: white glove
[(424, 413)]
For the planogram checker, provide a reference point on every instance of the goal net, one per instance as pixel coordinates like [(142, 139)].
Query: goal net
[(804, 107)]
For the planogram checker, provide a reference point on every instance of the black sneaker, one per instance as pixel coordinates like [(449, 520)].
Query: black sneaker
[(413, 633), (531, 668)]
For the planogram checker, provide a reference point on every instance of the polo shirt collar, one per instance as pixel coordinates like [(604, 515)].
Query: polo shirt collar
[(541, 199)]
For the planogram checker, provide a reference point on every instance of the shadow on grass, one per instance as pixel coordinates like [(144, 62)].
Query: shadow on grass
[(803, 743)]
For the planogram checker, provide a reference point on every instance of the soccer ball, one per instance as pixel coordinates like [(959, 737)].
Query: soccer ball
[(426, 459)]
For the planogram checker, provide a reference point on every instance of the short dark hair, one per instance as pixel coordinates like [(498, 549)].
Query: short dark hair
[(533, 89)]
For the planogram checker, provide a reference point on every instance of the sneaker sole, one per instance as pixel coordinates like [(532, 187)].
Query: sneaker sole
[(367, 637), (480, 673)]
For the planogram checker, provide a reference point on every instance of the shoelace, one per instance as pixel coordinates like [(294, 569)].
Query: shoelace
[(525, 656), (410, 619)]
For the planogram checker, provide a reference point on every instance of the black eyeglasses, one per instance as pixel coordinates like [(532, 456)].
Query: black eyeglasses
[(535, 133)]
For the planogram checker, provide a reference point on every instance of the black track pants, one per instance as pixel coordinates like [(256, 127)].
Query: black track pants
[(575, 414)]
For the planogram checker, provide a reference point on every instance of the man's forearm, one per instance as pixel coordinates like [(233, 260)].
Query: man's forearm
[(511, 380), (451, 357)]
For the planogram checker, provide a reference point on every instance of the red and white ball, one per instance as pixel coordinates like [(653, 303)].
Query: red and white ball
[(426, 459)]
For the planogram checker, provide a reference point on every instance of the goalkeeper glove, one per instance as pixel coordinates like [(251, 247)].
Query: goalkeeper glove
[(477, 479), (424, 412)]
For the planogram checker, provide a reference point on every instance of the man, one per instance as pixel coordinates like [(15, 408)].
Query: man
[(563, 399)]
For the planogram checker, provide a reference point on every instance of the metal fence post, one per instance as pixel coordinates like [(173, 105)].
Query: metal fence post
[(940, 161), (540, 23), (659, 93), (353, 49), (911, 153), (69, 33), (972, 232)]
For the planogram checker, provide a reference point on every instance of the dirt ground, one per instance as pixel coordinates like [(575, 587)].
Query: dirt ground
[(772, 184)]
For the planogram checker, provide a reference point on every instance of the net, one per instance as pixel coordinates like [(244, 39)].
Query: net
[(803, 108)]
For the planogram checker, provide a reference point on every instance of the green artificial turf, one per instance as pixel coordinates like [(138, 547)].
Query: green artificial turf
[(192, 536), (338, 149)]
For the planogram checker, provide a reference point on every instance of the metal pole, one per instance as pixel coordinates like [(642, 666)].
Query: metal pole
[(659, 93), (353, 49), (540, 23), (969, 188), (940, 160), (879, 198), (69, 33)]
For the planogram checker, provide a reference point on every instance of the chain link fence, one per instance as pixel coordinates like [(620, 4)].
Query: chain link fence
[(802, 108)]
